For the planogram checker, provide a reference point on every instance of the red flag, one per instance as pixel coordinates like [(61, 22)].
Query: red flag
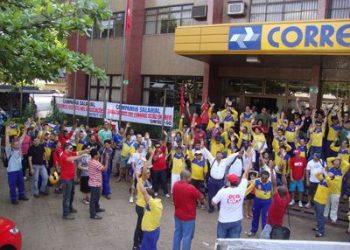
[(127, 17), (182, 99)]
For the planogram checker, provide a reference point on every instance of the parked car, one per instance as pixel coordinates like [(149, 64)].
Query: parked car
[(10, 236)]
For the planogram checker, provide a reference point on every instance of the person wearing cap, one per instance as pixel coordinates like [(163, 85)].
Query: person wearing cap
[(279, 204), (105, 133), (338, 168), (199, 169), (314, 166), (216, 178), (317, 132), (231, 200), (297, 166)]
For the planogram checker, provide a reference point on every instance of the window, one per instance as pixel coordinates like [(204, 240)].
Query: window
[(113, 86), (114, 26), (283, 10), (340, 9), (166, 19), (153, 90)]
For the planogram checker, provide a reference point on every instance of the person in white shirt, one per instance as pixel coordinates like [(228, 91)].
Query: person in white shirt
[(137, 161), (216, 178), (237, 166), (314, 166), (231, 201)]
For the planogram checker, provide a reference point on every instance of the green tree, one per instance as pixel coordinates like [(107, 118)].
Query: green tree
[(34, 33)]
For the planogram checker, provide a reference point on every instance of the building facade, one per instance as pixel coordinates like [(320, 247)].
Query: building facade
[(152, 55)]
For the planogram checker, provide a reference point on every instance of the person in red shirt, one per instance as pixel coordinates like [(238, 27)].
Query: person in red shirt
[(279, 204), (159, 170), (67, 178), (185, 198), (297, 176)]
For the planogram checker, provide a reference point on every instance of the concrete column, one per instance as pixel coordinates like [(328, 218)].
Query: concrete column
[(316, 99), (133, 58), (81, 77), (211, 81)]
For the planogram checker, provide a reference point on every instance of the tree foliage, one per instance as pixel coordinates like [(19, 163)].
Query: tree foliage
[(34, 33)]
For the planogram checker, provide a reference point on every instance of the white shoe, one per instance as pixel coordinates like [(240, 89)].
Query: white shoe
[(291, 203), (155, 194), (167, 195), (202, 206), (300, 204), (131, 199), (25, 178), (308, 205)]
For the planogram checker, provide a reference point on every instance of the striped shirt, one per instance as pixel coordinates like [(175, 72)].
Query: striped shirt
[(95, 173)]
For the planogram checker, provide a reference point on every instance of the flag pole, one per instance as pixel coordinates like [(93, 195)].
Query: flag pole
[(75, 81), (89, 80), (122, 58)]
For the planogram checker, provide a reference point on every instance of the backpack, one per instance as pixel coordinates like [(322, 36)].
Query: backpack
[(5, 159), (280, 233)]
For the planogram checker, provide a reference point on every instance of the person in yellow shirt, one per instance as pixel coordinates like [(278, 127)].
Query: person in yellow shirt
[(338, 168), (343, 151), (320, 201), (334, 127), (178, 164), (125, 154), (150, 224), (244, 137), (199, 169), (278, 139), (213, 118), (216, 145), (300, 145), (317, 132), (246, 117), (262, 200), (291, 133), (142, 181)]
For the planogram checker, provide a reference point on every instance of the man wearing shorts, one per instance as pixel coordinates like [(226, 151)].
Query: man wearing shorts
[(297, 167), (314, 167)]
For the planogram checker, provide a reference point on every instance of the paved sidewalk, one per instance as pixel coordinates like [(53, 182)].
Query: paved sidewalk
[(43, 228)]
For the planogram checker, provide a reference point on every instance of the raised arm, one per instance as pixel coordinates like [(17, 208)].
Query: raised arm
[(248, 166), (273, 177), (207, 155)]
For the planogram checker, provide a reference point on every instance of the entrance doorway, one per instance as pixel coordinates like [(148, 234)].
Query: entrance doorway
[(258, 102)]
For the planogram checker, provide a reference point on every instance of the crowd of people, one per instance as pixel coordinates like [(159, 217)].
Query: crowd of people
[(249, 164)]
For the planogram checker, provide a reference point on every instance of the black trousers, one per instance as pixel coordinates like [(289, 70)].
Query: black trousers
[(95, 194), (159, 179), (25, 165), (138, 232)]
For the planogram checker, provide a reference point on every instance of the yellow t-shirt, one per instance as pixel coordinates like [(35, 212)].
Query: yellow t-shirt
[(322, 192), (215, 147), (290, 135), (178, 163), (152, 216), (126, 149), (262, 190), (336, 183), (258, 141), (140, 201), (317, 138), (199, 170)]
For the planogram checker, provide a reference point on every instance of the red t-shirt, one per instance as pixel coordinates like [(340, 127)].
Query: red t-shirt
[(278, 209), (185, 196), (298, 167), (204, 115), (67, 167), (199, 136), (160, 163), (198, 121), (63, 140)]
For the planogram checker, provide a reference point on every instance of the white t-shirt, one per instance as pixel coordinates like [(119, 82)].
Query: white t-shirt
[(237, 166), (315, 168), (138, 159), (231, 202)]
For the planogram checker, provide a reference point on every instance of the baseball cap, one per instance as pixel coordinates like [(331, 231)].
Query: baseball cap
[(198, 152), (296, 151), (233, 178)]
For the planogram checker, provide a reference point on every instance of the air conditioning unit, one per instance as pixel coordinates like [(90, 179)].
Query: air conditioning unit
[(235, 8), (200, 12)]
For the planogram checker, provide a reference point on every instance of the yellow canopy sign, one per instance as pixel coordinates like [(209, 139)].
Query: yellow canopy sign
[(324, 37)]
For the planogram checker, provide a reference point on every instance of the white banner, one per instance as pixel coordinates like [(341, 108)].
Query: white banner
[(130, 113)]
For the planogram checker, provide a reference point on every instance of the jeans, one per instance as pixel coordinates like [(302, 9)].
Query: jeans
[(95, 193), (320, 219), (213, 187), (138, 232), (106, 189), (184, 231), (150, 239), (39, 170), (230, 230), (160, 179), (259, 207), (68, 195), (15, 181)]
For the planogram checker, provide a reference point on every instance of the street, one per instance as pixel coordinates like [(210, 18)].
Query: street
[(40, 221)]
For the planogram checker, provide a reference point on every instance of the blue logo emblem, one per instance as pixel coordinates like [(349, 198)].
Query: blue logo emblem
[(245, 37)]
